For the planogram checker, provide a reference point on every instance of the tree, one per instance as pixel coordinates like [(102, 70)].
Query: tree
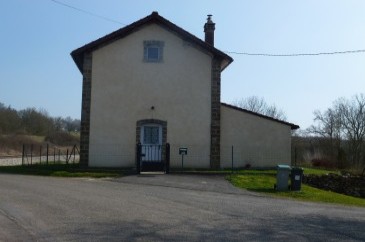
[(36, 122), (10, 121), (58, 124), (344, 126), (72, 124), (259, 105), (329, 127), (352, 113)]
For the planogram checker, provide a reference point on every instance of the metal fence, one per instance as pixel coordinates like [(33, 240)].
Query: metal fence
[(236, 157), (153, 158), (125, 155), (46, 154), (196, 156)]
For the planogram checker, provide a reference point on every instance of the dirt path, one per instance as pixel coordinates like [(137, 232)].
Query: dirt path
[(13, 161)]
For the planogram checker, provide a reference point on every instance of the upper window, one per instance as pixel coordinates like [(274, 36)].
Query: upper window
[(151, 135), (153, 50)]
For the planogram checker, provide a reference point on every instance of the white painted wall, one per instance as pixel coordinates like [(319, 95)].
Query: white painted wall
[(124, 88), (257, 141)]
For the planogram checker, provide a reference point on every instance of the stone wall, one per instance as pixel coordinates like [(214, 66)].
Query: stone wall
[(215, 126), (348, 185), (85, 110)]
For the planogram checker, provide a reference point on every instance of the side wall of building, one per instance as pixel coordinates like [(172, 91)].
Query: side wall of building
[(125, 88), (256, 141)]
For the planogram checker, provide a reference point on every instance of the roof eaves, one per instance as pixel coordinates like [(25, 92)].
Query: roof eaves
[(292, 126), (197, 41), (77, 54)]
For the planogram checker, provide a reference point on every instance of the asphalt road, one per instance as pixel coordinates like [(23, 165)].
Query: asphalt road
[(163, 208)]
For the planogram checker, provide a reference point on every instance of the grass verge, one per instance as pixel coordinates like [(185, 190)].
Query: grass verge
[(60, 170), (263, 182)]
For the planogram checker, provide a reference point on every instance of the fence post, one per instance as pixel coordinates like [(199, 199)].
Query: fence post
[(138, 157), (40, 154), (167, 158), (23, 154), (47, 154), (31, 154), (54, 155), (295, 156), (74, 150), (232, 159), (67, 157), (59, 155)]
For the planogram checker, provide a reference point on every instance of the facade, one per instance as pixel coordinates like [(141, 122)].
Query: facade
[(257, 140), (152, 82)]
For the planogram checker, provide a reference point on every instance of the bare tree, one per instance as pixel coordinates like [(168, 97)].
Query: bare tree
[(259, 105), (72, 124), (328, 126), (58, 124), (353, 122), (343, 125)]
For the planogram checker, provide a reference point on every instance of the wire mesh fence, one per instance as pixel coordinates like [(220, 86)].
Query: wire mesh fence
[(46, 154), (124, 155), (197, 156), (236, 157)]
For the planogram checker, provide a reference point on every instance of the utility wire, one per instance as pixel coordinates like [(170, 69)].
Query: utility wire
[(298, 54), (87, 12), (228, 52)]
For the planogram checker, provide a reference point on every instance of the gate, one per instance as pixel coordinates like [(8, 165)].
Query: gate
[(153, 158)]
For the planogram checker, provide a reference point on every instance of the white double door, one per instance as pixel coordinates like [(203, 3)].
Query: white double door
[(151, 141)]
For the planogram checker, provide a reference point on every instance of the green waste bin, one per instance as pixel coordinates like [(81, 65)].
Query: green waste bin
[(282, 178), (296, 178)]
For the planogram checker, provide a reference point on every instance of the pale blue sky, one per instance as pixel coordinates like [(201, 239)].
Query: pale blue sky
[(37, 37)]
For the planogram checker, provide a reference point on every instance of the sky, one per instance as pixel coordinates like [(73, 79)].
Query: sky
[(37, 37)]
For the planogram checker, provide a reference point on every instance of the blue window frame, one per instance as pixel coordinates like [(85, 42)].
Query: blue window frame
[(153, 50), (151, 135)]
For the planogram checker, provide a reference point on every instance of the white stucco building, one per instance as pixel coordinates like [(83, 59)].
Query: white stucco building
[(153, 83)]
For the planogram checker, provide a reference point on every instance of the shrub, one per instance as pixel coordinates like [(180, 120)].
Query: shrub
[(63, 138), (247, 166), (323, 163), (12, 144)]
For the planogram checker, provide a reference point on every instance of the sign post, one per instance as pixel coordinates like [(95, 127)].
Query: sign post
[(182, 152)]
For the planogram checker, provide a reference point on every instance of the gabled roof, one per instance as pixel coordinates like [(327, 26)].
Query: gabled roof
[(292, 126), (155, 18)]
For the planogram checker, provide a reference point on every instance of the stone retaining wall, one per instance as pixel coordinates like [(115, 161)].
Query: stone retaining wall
[(348, 185)]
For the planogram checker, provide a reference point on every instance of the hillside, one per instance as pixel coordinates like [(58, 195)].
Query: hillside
[(12, 145)]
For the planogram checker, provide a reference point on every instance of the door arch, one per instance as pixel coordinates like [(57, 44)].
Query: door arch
[(144, 122)]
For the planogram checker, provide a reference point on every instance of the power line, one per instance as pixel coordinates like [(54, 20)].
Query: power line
[(87, 12), (297, 54), (228, 52)]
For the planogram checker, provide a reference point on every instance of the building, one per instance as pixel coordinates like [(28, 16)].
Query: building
[(153, 82)]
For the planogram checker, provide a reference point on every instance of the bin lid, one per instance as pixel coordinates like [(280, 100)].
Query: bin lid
[(297, 168), (283, 167)]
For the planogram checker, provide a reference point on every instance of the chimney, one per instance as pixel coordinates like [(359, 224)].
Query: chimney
[(209, 28)]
